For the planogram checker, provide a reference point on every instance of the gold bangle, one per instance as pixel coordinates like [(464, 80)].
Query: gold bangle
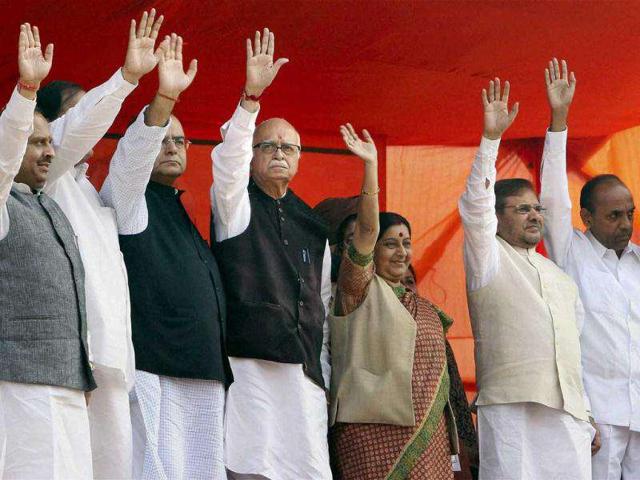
[(371, 194)]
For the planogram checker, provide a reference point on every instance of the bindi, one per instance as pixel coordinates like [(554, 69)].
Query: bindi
[(400, 234)]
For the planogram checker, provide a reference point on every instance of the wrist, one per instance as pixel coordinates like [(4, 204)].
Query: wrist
[(28, 88), (491, 135), (129, 76), (559, 119), (250, 91)]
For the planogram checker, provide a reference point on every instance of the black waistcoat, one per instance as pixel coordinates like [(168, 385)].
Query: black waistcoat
[(273, 273), (177, 302)]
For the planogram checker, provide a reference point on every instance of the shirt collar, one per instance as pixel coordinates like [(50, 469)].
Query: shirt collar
[(165, 190), (22, 188)]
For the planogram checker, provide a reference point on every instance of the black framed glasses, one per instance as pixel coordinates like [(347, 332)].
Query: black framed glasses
[(179, 142), (289, 149), (525, 208)]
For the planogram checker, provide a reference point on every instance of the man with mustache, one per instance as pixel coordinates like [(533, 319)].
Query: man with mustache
[(44, 364), (276, 264), (77, 124), (606, 266), (533, 419), (177, 300)]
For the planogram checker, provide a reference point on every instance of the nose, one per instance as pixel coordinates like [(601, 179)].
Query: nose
[(278, 153), (626, 223), (49, 151)]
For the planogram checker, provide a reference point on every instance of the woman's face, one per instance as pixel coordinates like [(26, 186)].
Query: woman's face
[(392, 254)]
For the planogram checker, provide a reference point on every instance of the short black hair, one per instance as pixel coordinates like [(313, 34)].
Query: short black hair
[(390, 219), (342, 228), (588, 192), (508, 188), (50, 97)]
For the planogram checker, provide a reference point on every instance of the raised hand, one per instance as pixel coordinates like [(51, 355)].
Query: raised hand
[(172, 78), (140, 58), (32, 64), (560, 89), (366, 149), (260, 67), (497, 117)]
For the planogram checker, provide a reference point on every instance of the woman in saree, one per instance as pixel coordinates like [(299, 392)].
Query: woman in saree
[(390, 384)]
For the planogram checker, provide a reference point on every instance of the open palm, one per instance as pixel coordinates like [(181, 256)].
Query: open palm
[(561, 85), (497, 117), (261, 70), (140, 58), (172, 78), (365, 149), (32, 64)]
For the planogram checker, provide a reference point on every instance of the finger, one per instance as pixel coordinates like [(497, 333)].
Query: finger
[(485, 100), (156, 27), (556, 68), (572, 83), (547, 78), (249, 49), (352, 132), (179, 49), (497, 88), (150, 20), (30, 36), (132, 30), (505, 92), (514, 112), (36, 36), (193, 69), (142, 26), (279, 63), (48, 54), (272, 44), (166, 48), (172, 47), (256, 44), (22, 40), (565, 71), (265, 41), (491, 97), (552, 72), (367, 136)]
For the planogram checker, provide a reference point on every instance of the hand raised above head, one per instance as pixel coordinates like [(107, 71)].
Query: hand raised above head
[(561, 85), (141, 58), (172, 78), (261, 70), (32, 64), (497, 117), (365, 149)]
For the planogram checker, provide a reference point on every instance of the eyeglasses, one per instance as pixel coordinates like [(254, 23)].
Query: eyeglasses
[(179, 142), (270, 148), (525, 208)]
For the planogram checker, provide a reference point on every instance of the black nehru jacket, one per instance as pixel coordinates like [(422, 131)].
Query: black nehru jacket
[(177, 300), (272, 272)]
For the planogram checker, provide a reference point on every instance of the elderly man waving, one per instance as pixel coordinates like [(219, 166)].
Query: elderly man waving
[(274, 257)]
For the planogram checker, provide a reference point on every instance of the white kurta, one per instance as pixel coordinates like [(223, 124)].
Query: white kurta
[(610, 289), (177, 423), (516, 440), (276, 417), (106, 290), (44, 430)]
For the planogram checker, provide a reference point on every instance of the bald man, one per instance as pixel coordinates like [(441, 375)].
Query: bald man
[(275, 260)]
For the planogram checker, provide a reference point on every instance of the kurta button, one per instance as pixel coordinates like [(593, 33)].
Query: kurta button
[(280, 209), (301, 280), (301, 303), (285, 241), (282, 219)]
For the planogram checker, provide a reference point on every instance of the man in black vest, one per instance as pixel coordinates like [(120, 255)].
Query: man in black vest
[(44, 363), (275, 261), (177, 302)]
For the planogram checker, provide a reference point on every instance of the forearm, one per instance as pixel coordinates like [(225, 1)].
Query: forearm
[(368, 221), (159, 111)]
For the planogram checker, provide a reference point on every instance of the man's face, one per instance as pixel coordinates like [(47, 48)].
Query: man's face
[(275, 166), (519, 228), (38, 156), (611, 222), (172, 159)]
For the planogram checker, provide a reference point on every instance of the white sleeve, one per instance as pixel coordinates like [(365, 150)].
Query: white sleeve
[(231, 164), (79, 129), (478, 214), (325, 292), (129, 174), (580, 315), (16, 124), (554, 196)]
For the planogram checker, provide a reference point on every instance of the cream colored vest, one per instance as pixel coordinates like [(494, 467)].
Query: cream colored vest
[(372, 352), (527, 345)]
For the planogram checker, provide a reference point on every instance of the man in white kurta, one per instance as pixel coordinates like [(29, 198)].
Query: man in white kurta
[(107, 294), (606, 266), (276, 416), (526, 314)]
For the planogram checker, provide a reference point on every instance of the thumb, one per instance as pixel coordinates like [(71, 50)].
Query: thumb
[(514, 112), (279, 63), (193, 69), (48, 53), (367, 136)]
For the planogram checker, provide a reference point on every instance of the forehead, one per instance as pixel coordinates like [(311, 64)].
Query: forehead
[(524, 196), (175, 130), (396, 231), (276, 129), (40, 126), (613, 196)]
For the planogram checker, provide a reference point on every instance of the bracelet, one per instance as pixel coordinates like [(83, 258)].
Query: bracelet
[(26, 86), (371, 194), (176, 100), (254, 98)]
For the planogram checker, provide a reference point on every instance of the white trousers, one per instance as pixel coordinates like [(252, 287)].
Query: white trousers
[(110, 424), (619, 456), (528, 441), (44, 433), (177, 428)]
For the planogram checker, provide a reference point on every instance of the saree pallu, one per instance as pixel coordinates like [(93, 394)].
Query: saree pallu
[(364, 451)]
